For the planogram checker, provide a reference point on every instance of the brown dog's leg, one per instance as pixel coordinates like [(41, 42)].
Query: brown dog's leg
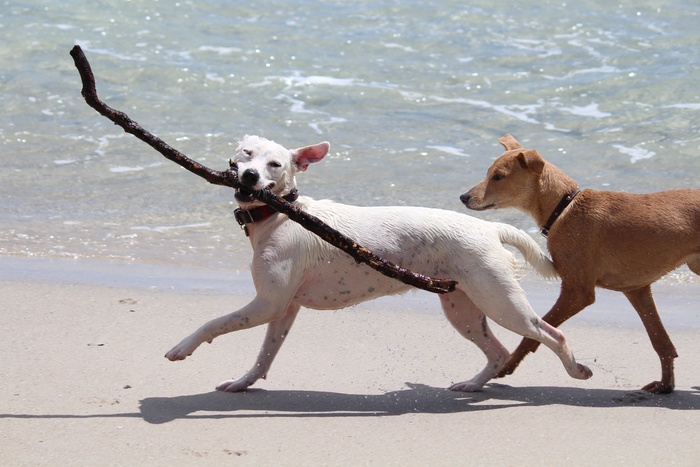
[(571, 301), (642, 301)]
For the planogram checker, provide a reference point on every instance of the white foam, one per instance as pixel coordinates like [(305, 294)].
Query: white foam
[(219, 50), (214, 77), (137, 168), (102, 143), (166, 228), (602, 69), (123, 168), (691, 106), (590, 110), (296, 81), (519, 112), (542, 48), (393, 45), (316, 126), (85, 45), (449, 150), (297, 106), (636, 153)]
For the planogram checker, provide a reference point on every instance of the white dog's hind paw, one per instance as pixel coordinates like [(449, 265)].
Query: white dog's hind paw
[(467, 386), (232, 385), (583, 372)]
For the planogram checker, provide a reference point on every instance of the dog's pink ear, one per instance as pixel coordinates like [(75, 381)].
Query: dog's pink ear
[(509, 143), (302, 157), (531, 159)]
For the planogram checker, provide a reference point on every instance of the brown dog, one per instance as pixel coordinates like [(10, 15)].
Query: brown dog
[(618, 241)]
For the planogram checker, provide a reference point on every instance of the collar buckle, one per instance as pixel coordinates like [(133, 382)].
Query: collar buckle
[(243, 217)]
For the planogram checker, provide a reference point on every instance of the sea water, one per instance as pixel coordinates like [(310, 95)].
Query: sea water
[(412, 95)]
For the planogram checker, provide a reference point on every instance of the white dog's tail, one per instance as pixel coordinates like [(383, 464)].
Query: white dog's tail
[(529, 248)]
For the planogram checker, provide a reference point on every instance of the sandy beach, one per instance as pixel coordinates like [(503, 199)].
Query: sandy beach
[(84, 382), (110, 254)]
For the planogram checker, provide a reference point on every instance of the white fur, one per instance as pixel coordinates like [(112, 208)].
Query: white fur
[(293, 268)]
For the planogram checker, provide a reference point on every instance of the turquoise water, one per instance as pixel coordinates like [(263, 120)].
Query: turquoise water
[(412, 96)]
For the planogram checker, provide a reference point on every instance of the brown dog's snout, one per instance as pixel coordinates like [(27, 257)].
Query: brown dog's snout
[(465, 198), (250, 177)]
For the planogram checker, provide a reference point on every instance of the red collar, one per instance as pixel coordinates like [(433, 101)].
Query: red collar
[(250, 216)]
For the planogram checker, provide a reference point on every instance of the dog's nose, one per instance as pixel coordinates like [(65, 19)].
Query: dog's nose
[(250, 177), (464, 198)]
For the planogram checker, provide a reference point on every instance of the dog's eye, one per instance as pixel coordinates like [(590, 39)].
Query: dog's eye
[(248, 152), (497, 177), (275, 164)]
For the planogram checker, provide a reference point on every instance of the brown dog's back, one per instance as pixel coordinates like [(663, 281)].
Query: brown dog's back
[(629, 239)]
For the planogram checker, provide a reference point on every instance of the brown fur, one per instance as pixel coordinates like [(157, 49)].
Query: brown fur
[(617, 241)]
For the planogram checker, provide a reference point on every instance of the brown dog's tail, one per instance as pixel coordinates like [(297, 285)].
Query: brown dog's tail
[(529, 248)]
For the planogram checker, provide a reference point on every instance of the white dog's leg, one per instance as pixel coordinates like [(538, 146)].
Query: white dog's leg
[(259, 311), (509, 307), (555, 340), (471, 323), (277, 331)]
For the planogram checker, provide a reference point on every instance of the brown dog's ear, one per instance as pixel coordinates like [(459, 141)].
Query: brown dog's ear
[(509, 143), (302, 157), (531, 159)]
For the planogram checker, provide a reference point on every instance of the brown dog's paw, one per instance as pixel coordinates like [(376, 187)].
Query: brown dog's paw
[(659, 387)]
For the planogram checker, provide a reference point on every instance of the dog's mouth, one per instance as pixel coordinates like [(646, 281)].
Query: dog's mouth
[(481, 208), (244, 195), (469, 203)]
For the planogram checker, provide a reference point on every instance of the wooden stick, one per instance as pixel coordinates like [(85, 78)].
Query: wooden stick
[(230, 178)]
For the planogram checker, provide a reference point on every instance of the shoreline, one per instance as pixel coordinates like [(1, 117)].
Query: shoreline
[(85, 381), (677, 302)]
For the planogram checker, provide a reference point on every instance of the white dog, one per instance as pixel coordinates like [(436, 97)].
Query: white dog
[(292, 267)]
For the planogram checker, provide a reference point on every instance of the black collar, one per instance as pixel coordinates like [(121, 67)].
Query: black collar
[(259, 213), (565, 201)]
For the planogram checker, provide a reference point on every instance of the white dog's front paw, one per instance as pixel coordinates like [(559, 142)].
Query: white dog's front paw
[(182, 350)]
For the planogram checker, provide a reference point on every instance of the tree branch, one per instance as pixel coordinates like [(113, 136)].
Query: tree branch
[(230, 178)]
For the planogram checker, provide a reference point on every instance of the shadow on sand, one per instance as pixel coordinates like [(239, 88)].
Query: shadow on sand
[(417, 398)]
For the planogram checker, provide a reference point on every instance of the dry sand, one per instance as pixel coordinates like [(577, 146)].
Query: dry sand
[(84, 382)]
